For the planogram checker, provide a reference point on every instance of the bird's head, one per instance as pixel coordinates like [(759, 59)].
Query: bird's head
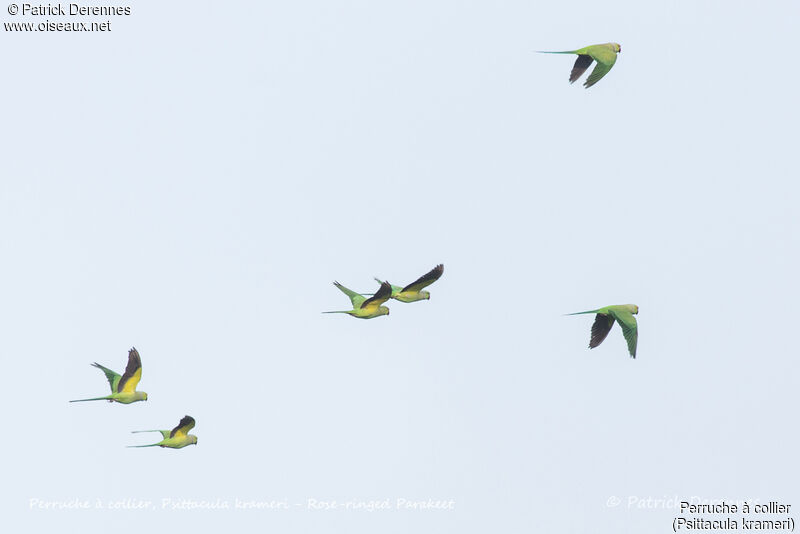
[(194, 440), (141, 395), (617, 48), (383, 310), (425, 294), (634, 309)]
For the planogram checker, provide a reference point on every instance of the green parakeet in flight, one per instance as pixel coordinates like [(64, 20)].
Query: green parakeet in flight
[(177, 438), (123, 388), (363, 307), (413, 291), (624, 315), (604, 54)]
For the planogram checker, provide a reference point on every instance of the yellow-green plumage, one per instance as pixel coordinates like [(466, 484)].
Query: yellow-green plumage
[(413, 292), (621, 313), (177, 438), (363, 307), (123, 388), (604, 54)]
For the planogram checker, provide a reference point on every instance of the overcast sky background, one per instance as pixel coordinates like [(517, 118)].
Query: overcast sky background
[(191, 183)]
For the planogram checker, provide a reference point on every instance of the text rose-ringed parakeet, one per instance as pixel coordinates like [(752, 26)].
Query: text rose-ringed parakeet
[(413, 291), (177, 438), (624, 315), (123, 388), (604, 54), (363, 307)]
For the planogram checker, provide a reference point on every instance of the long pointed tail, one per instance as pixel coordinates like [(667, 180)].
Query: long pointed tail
[(336, 312), (139, 431), (564, 52), (139, 446), (96, 398), (581, 313)]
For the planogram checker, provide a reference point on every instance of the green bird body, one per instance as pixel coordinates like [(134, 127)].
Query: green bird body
[(363, 307), (413, 292), (177, 438), (624, 315), (123, 388), (604, 54)]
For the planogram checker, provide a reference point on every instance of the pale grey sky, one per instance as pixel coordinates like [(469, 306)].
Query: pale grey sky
[(191, 183)]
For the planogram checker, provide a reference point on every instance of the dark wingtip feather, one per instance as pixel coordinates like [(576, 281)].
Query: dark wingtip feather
[(581, 64), (600, 329), (427, 278)]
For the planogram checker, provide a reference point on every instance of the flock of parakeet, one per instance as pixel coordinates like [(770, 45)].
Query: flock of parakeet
[(369, 308), (366, 306), (123, 390)]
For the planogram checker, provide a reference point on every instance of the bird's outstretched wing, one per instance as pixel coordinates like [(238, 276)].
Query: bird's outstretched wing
[(581, 64), (133, 373), (600, 70), (113, 377), (355, 298), (374, 302), (629, 329), (600, 329), (183, 428), (426, 279)]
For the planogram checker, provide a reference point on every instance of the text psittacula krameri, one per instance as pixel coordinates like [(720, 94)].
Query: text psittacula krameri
[(413, 291), (123, 388), (363, 307), (177, 438), (604, 54), (624, 315)]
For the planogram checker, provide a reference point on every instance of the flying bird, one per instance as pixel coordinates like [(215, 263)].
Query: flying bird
[(123, 388), (177, 438), (413, 291), (363, 307), (604, 54), (624, 315)]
